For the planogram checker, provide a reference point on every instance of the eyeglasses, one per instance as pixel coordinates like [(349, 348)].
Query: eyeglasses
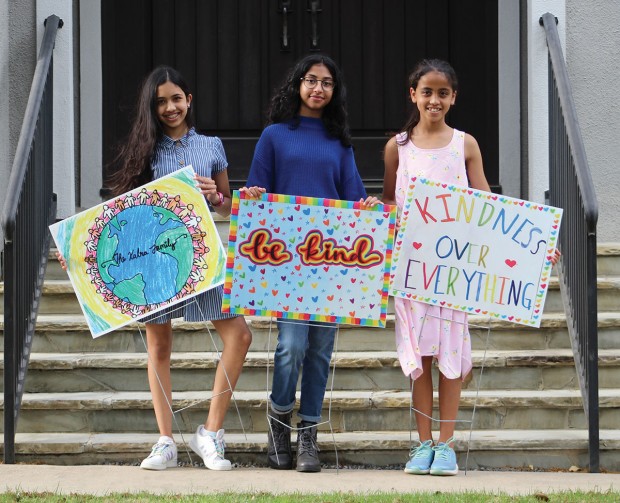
[(311, 83)]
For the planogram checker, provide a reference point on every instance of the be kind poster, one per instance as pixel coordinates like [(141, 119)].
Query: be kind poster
[(474, 251), (309, 259), (141, 252)]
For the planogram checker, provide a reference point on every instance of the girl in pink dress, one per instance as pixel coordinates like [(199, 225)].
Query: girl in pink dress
[(429, 147)]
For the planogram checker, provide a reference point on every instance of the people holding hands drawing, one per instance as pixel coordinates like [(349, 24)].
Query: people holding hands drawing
[(428, 147), (305, 151), (162, 139)]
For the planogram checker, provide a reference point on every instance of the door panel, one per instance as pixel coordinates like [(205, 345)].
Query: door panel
[(232, 54)]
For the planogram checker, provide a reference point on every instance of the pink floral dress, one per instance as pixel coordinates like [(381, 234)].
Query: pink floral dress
[(423, 329)]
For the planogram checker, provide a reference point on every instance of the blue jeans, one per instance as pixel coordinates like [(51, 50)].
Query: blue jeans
[(302, 344)]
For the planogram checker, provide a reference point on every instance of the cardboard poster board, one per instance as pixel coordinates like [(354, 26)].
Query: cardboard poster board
[(309, 259), (141, 252), (474, 251)]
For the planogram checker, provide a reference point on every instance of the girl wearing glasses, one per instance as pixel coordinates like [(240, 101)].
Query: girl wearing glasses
[(305, 151)]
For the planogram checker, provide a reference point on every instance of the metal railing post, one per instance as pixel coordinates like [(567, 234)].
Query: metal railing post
[(29, 208)]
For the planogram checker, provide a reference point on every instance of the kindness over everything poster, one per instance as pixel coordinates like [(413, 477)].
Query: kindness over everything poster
[(309, 259), (474, 251), (141, 252)]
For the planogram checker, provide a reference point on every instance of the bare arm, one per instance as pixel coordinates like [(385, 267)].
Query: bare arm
[(473, 164), (210, 187), (390, 161)]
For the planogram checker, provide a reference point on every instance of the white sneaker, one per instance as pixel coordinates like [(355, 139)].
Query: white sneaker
[(210, 449), (162, 456)]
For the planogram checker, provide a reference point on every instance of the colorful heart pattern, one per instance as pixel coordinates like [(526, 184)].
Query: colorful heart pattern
[(347, 282)]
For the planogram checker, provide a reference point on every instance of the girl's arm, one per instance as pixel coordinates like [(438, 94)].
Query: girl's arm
[(211, 188), (473, 164), (390, 161)]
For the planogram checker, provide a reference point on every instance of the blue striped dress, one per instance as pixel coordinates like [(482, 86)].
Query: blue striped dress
[(207, 157)]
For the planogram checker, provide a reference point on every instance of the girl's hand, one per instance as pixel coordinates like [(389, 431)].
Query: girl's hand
[(208, 188), (556, 257), (369, 202), (61, 259), (253, 192)]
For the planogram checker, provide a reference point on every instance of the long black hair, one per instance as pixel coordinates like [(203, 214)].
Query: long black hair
[(422, 68), (286, 101), (135, 153)]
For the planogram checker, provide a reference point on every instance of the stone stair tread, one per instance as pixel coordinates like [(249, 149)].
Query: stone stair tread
[(480, 440), (344, 359), (352, 399), (549, 320)]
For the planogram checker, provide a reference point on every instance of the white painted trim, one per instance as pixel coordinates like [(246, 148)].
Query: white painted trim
[(508, 67), (64, 152), (91, 96), (5, 167), (538, 104)]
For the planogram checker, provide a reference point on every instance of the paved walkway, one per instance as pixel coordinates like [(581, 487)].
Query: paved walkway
[(103, 480)]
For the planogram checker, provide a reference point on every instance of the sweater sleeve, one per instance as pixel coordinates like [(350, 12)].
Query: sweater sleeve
[(352, 187), (262, 169)]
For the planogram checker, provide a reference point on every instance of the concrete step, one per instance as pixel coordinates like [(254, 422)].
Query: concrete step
[(123, 412), (66, 333), (608, 259), (488, 449), (358, 371), (59, 297)]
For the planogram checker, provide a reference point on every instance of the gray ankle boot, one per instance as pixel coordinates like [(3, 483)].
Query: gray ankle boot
[(307, 449), (279, 453)]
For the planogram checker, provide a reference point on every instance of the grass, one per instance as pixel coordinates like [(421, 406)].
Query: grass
[(436, 497)]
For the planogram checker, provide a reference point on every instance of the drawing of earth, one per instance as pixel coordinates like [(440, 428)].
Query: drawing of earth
[(144, 254)]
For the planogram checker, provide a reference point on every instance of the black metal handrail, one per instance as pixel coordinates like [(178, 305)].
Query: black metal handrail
[(571, 188), (29, 209)]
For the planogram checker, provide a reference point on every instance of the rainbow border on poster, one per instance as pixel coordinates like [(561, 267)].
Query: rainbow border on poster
[(316, 202), (543, 284)]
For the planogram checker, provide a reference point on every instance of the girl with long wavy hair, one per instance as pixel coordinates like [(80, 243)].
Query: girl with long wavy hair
[(161, 140)]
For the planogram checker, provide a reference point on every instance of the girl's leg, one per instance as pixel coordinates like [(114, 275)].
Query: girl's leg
[(423, 400), (237, 338), (449, 399), (287, 360), (315, 371), (159, 346)]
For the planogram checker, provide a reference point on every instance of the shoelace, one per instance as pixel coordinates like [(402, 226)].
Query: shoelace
[(421, 450), (161, 449), (280, 436), (220, 447), (308, 442), (443, 451)]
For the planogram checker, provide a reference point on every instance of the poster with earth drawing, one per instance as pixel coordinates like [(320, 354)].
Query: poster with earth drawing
[(143, 251)]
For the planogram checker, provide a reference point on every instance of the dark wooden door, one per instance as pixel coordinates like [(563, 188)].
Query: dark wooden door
[(235, 52)]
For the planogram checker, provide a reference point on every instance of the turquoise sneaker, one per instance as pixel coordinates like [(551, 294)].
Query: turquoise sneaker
[(444, 462), (420, 458)]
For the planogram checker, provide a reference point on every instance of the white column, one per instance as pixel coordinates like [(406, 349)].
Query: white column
[(538, 103), (64, 145), (509, 98), (91, 85), (5, 168)]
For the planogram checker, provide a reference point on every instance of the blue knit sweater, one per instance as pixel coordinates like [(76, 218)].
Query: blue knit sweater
[(306, 161)]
